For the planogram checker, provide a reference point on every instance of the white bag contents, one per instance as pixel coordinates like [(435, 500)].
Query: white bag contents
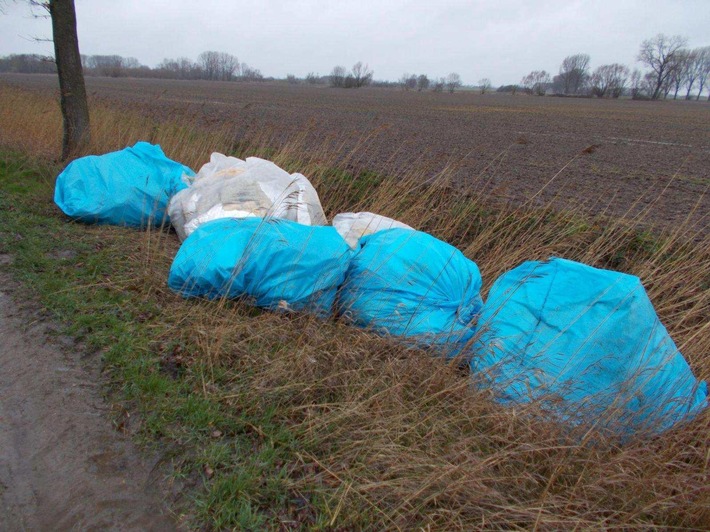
[(228, 187), (354, 225)]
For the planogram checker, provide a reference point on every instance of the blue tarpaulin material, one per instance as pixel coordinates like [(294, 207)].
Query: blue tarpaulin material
[(409, 284), (128, 187), (275, 263), (588, 343)]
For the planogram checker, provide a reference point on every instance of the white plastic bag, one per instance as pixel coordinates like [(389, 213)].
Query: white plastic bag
[(354, 225), (228, 187)]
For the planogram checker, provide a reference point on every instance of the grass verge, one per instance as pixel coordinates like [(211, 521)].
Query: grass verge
[(284, 421)]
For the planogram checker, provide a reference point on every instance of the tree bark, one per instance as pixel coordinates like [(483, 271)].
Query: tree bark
[(75, 109)]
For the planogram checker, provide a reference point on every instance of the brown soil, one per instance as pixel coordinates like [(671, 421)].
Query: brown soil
[(606, 156), (62, 465)]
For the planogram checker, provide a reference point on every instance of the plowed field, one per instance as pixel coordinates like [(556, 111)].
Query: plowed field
[(615, 157)]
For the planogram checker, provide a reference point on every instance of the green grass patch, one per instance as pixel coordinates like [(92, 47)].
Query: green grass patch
[(90, 278)]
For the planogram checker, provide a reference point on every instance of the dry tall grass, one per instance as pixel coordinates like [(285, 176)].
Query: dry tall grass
[(391, 437)]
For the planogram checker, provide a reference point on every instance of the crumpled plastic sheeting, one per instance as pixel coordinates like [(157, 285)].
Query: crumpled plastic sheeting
[(128, 187), (588, 343), (228, 187), (354, 225)]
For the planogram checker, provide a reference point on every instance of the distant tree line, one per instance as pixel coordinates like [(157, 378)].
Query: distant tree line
[(359, 76), (673, 69), (28, 64), (114, 66), (422, 82), (210, 65), (214, 66)]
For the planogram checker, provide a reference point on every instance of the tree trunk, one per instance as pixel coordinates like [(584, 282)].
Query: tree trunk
[(660, 78), (75, 109)]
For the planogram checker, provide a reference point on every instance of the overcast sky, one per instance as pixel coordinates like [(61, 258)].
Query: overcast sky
[(498, 39)]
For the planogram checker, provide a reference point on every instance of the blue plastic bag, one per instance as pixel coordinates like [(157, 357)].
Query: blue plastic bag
[(409, 284), (588, 343), (128, 187), (276, 263)]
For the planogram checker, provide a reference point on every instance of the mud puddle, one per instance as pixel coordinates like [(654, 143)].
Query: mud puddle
[(62, 465)]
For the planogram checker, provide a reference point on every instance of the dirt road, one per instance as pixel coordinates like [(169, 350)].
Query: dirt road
[(62, 466)]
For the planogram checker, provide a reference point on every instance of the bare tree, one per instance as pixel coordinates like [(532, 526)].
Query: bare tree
[(408, 81), (106, 65), (337, 77), (439, 85), (648, 84), (169, 66), (186, 68), (251, 74), (361, 75), (536, 82), (702, 58), (648, 87), (484, 85), (209, 62), (131, 62), (691, 72), (609, 80), (574, 73), (312, 78), (679, 71), (219, 66), (180, 68), (75, 109), (422, 82), (227, 66), (453, 82), (659, 54)]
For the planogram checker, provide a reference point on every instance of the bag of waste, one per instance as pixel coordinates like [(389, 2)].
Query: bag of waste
[(128, 187), (228, 187), (409, 284), (352, 226), (588, 344), (271, 262)]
